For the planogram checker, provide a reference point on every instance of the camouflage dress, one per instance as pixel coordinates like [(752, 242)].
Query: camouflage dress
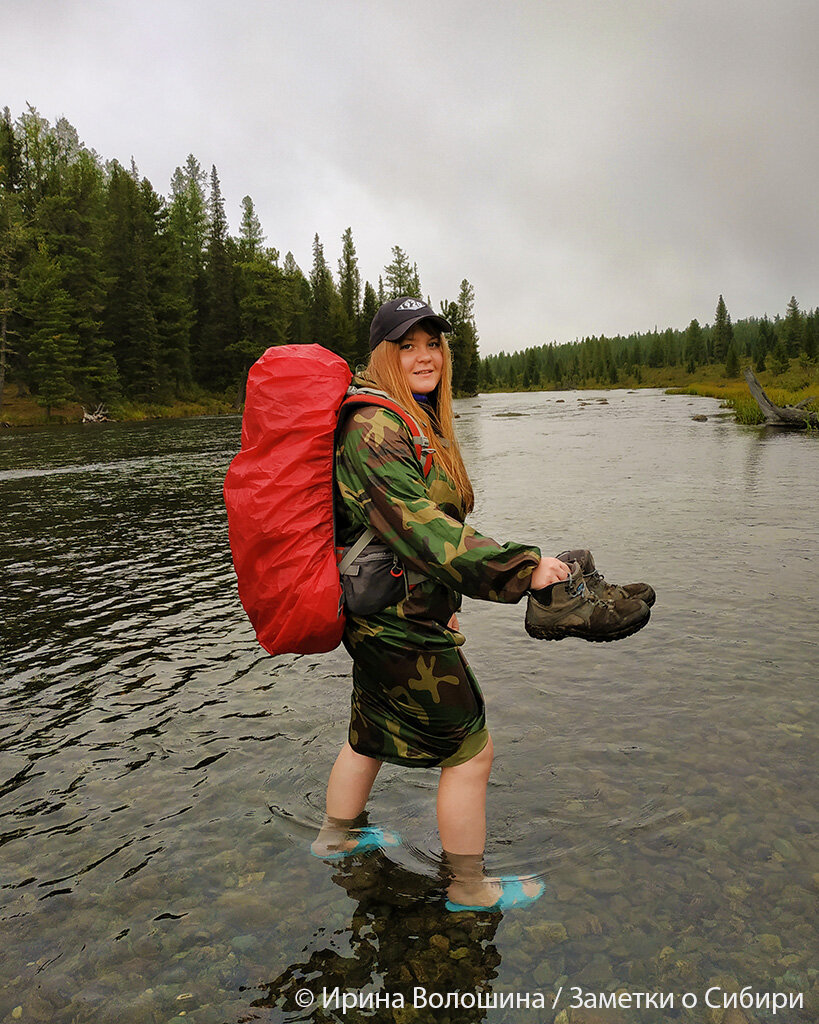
[(415, 700)]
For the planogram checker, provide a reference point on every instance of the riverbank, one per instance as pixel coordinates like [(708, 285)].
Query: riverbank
[(25, 411), (798, 384)]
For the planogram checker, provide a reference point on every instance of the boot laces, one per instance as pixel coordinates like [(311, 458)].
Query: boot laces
[(581, 590)]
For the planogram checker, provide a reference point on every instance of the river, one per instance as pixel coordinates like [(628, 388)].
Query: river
[(161, 777)]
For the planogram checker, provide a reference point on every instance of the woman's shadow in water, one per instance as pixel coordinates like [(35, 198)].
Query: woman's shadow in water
[(400, 938)]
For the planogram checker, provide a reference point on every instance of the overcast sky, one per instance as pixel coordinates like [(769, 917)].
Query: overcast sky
[(591, 167)]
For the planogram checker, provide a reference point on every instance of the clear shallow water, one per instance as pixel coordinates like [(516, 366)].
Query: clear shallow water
[(161, 777)]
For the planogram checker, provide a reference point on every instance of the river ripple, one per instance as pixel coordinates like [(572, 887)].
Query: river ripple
[(161, 778)]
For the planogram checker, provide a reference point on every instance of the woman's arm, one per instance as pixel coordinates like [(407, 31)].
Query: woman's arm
[(382, 486)]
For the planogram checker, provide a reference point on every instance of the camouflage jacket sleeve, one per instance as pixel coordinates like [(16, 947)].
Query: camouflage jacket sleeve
[(382, 485)]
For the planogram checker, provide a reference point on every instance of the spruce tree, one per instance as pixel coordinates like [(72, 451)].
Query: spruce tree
[(766, 340), (811, 337), (251, 239), (13, 241), (778, 362), (349, 278), (262, 311), (135, 216), (694, 346), (296, 303), (218, 318), (185, 239), (401, 277), (11, 165), (142, 365), (321, 296), (51, 348), (72, 219), (39, 164), (369, 307), (467, 339), (722, 333), (793, 328)]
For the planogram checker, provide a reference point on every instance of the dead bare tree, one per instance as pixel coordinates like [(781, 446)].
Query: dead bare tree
[(781, 415)]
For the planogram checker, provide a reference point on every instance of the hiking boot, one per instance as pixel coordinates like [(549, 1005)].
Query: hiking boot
[(569, 608), (597, 584)]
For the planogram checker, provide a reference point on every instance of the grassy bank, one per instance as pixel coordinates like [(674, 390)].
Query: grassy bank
[(797, 385), (24, 410)]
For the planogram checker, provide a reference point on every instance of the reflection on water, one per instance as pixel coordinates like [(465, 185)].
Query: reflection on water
[(397, 941), (161, 778)]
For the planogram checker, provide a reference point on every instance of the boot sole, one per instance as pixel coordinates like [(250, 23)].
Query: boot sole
[(546, 634)]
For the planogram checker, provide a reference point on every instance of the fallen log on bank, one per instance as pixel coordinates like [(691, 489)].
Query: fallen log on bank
[(781, 415), (99, 415)]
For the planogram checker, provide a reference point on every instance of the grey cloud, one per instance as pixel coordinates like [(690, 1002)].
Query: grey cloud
[(591, 167)]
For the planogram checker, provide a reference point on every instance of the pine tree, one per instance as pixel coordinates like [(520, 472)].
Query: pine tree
[(778, 361), (134, 295), (38, 153), (13, 238), (369, 307), (694, 346), (185, 239), (723, 332), (218, 317), (766, 339), (51, 348), (297, 303), (349, 278), (811, 339), (142, 366), (251, 238), (401, 277), (321, 295), (71, 218), (467, 334), (11, 165), (188, 218), (530, 372), (263, 320), (793, 328)]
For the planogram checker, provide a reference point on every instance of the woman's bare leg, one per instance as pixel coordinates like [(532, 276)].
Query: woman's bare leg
[(351, 780), (348, 790), (462, 804), (462, 827)]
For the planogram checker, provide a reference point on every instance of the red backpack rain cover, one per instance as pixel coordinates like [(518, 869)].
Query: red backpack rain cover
[(279, 498)]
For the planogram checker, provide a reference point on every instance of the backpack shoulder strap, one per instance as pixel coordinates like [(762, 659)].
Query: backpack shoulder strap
[(357, 397)]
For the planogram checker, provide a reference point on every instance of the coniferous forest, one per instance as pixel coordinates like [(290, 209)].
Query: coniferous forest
[(721, 348), (112, 293)]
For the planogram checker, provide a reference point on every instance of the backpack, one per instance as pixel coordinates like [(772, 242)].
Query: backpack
[(279, 495)]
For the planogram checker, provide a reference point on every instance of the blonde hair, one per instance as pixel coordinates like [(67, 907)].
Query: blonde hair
[(385, 372)]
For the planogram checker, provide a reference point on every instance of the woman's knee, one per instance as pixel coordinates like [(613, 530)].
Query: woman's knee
[(360, 764), (481, 764), (485, 757)]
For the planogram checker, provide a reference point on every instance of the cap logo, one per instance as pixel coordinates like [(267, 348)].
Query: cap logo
[(411, 304)]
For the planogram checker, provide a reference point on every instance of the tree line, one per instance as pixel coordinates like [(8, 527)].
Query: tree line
[(767, 344), (109, 289)]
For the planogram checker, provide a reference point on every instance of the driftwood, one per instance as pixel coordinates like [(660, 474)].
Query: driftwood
[(781, 415), (99, 415)]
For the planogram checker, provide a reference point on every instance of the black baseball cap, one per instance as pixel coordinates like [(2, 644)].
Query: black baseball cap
[(394, 319)]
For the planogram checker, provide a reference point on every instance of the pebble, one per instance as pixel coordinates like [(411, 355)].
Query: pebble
[(547, 934)]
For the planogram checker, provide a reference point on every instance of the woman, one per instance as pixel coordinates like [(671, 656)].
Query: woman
[(415, 700)]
